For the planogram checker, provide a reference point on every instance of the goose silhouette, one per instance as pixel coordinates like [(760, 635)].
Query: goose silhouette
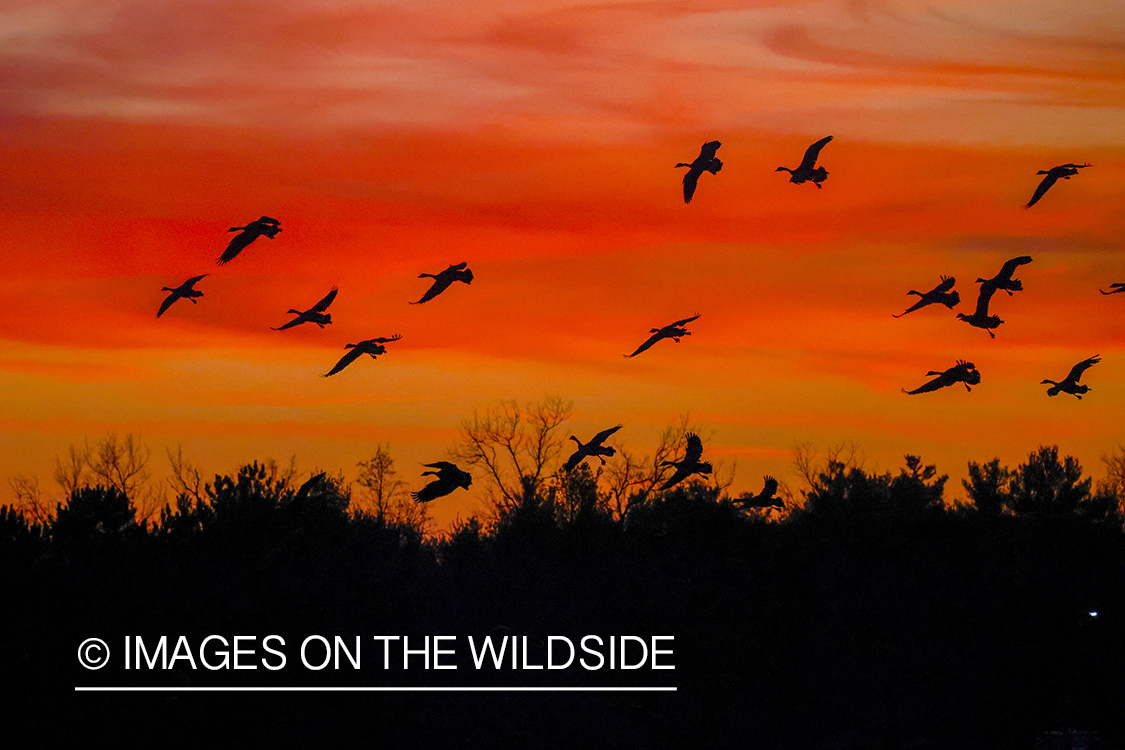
[(1069, 384), (807, 170), (449, 477), (247, 234), (314, 314), (962, 372), (593, 448), (940, 294), (673, 331), (705, 162), (442, 280), (374, 347), (767, 498), (184, 291), (689, 465), (1117, 288), (1054, 174)]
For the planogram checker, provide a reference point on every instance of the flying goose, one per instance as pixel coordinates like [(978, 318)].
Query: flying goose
[(247, 234), (1070, 384), (1117, 288), (314, 314), (184, 290), (673, 331), (939, 294), (449, 478), (705, 162), (808, 169), (1066, 171), (767, 498), (373, 347), (691, 463), (442, 280), (962, 372), (593, 448)]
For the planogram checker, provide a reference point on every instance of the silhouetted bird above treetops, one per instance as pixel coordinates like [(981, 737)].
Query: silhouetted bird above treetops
[(314, 314), (705, 162), (1115, 287), (767, 498), (691, 463), (673, 331), (442, 280), (962, 372), (184, 291), (252, 231), (449, 478), (1070, 384), (373, 347), (1066, 171), (939, 294), (594, 448), (808, 170)]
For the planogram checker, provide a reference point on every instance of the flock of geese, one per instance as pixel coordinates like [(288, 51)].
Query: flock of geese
[(450, 477)]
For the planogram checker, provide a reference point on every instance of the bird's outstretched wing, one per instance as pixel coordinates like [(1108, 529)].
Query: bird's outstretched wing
[(987, 289), (1117, 288), (345, 360), (709, 149), (946, 284), (651, 340), (1081, 367), (601, 436), (439, 286), (167, 303), (694, 450), (1010, 267), (1042, 188), (812, 153), (396, 337), (324, 303), (295, 322), (682, 323), (691, 179)]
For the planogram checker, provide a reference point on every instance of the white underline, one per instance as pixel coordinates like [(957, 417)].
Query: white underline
[(373, 689)]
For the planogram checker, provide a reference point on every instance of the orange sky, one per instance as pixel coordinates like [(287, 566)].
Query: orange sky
[(535, 140)]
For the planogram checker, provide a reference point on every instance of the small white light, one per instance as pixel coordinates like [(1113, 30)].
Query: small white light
[(1093, 614)]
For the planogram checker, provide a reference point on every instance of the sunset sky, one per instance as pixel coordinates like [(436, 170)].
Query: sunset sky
[(536, 141)]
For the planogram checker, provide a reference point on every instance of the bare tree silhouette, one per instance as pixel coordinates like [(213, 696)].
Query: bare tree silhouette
[(515, 446)]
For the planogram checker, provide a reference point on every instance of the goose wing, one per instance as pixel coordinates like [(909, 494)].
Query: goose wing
[(812, 153), (651, 340), (1081, 367), (1051, 178), (432, 491), (987, 289), (694, 449), (1010, 267), (345, 360), (295, 322), (167, 303), (237, 244), (324, 303), (682, 323), (946, 284), (440, 285), (691, 179), (601, 436)]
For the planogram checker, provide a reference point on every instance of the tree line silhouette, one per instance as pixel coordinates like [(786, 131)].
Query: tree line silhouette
[(870, 612)]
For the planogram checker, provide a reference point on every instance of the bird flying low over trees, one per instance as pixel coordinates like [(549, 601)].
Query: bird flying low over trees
[(314, 314), (808, 170), (442, 280), (705, 162), (594, 448), (673, 331), (1069, 384), (939, 294), (689, 465), (247, 234), (373, 347), (962, 372), (449, 478), (184, 290), (1065, 171), (1117, 288), (767, 498)]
